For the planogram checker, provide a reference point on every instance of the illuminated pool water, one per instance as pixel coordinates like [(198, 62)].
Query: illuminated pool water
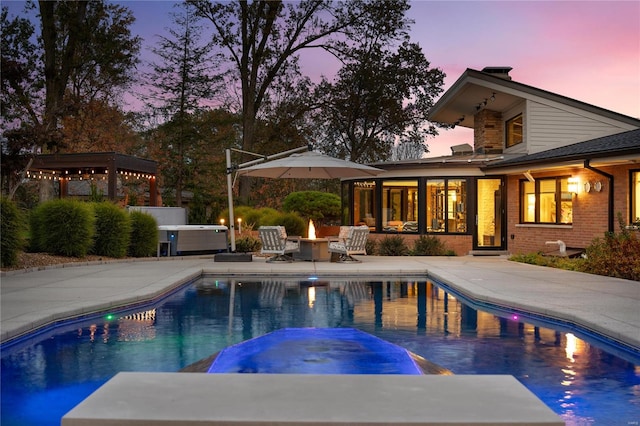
[(315, 351), (46, 376)]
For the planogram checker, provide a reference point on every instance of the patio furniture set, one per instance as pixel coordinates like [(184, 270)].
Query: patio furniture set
[(350, 241)]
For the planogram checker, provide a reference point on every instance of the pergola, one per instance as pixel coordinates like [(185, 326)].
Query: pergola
[(110, 165)]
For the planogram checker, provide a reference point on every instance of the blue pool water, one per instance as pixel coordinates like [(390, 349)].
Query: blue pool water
[(585, 383), (315, 351)]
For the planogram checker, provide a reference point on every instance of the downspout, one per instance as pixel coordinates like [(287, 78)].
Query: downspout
[(610, 177)]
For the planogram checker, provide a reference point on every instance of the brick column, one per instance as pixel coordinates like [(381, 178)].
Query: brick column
[(488, 132)]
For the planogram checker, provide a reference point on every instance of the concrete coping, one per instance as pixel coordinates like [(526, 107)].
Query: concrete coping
[(290, 399)]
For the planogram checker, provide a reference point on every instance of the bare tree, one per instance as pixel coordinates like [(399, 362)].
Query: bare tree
[(262, 39)]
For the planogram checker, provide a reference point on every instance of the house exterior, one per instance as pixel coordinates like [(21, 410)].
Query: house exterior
[(542, 168)]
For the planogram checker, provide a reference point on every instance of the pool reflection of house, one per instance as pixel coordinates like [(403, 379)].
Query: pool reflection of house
[(543, 167)]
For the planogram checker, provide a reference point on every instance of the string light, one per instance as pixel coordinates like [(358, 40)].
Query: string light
[(84, 174)]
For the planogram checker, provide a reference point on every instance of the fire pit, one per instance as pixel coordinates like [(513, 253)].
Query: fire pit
[(312, 248)]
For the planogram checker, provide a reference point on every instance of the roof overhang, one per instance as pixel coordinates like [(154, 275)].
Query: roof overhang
[(471, 93), (477, 90), (81, 161)]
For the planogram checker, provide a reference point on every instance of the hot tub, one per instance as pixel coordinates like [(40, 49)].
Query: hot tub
[(193, 239)]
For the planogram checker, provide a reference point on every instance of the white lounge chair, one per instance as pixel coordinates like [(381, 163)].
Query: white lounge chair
[(351, 240), (275, 241)]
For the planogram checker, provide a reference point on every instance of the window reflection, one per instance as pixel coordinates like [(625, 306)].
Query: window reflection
[(446, 205), (515, 132), (363, 203), (400, 206), (635, 197), (546, 201)]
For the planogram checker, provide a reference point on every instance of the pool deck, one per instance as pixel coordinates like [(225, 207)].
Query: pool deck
[(607, 306)]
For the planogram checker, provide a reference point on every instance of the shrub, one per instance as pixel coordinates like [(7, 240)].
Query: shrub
[(12, 226), (428, 245), (551, 261), (371, 247), (113, 230), (251, 217), (144, 234), (63, 227), (614, 255), (37, 230), (293, 223), (321, 207), (248, 244), (393, 245)]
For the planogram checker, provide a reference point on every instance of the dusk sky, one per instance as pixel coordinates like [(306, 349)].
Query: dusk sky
[(586, 50)]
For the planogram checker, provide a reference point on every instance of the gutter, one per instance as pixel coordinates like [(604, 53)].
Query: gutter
[(610, 177)]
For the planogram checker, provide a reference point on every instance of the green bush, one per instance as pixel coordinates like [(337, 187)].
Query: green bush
[(37, 230), (63, 227), (11, 232), (371, 246), (248, 244), (551, 261), (428, 245), (321, 207), (144, 234), (113, 230), (615, 255), (293, 223), (252, 218), (393, 245)]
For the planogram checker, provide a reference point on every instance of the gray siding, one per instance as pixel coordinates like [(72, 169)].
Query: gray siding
[(554, 126)]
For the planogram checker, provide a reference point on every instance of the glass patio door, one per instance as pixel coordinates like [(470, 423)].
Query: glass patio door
[(489, 215)]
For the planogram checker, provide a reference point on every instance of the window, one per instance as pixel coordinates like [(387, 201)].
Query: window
[(546, 201), (400, 206), (447, 205), (635, 197), (364, 203), (514, 131)]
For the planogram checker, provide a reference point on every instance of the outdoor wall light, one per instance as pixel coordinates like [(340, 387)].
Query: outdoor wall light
[(573, 184), (527, 174)]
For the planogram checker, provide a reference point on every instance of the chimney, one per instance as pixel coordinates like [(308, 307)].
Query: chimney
[(500, 72), (461, 149)]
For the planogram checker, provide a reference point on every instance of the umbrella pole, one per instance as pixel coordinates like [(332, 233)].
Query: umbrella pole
[(230, 196)]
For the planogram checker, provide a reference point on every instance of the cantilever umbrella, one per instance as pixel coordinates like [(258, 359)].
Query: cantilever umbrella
[(309, 165)]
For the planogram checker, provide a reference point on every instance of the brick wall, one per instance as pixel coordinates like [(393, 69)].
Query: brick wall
[(488, 132), (590, 212)]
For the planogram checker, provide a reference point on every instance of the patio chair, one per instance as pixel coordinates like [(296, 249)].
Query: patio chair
[(275, 241), (351, 240)]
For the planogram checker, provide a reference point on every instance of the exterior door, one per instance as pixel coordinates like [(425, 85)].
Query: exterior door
[(489, 234)]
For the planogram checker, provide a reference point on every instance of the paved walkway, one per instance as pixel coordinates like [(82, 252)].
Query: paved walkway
[(607, 306)]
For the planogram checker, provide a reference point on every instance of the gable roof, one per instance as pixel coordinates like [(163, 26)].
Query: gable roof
[(620, 144), (475, 87)]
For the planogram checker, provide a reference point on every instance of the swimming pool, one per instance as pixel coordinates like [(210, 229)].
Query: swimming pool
[(46, 376)]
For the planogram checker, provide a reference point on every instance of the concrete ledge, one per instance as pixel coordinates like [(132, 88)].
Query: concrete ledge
[(269, 399)]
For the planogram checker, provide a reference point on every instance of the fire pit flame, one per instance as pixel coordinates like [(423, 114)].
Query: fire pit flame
[(312, 230)]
